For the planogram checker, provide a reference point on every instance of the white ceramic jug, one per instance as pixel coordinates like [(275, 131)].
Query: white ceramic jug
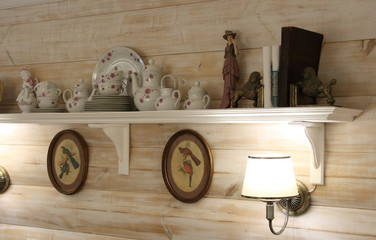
[(78, 97), (170, 97)]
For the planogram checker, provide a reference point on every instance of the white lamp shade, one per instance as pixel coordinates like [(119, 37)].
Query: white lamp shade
[(269, 177)]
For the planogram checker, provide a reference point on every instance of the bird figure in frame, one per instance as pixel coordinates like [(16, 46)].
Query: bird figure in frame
[(64, 166), (187, 152), (67, 154), (188, 169)]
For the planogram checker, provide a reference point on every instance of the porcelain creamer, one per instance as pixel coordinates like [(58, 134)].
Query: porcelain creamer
[(170, 97), (78, 97)]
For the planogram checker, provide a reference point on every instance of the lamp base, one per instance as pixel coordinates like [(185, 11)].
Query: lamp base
[(299, 204)]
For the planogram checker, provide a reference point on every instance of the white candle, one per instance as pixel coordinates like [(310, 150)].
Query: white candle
[(267, 58)]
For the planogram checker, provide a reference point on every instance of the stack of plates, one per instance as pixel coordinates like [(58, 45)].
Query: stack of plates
[(109, 104)]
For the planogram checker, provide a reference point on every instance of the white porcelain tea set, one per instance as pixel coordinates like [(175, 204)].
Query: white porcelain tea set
[(154, 95), (44, 95), (120, 82)]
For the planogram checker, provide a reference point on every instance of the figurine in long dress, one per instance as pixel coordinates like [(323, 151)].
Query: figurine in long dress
[(230, 69)]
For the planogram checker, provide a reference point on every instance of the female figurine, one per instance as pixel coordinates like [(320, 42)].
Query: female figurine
[(230, 69), (28, 81), (26, 98)]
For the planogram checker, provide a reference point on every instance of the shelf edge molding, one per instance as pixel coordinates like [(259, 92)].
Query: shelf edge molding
[(243, 115)]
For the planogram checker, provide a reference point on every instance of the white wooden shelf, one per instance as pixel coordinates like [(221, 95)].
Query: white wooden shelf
[(253, 115), (116, 125)]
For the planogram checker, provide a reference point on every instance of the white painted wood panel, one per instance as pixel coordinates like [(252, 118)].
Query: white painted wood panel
[(169, 30), (5, 4), (105, 212), (61, 41)]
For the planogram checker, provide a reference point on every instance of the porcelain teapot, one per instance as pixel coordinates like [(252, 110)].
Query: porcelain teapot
[(78, 97), (26, 100), (146, 95), (170, 97), (197, 98)]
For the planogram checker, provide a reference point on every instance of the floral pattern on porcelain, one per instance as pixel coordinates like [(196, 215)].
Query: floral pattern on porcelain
[(28, 81), (197, 98), (168, 99), (76, 104), (146, 94), (79, 96), (48, 102), (26, 100), (107, 57)]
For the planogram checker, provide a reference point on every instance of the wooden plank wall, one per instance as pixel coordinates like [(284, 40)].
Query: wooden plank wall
[(62, 40)]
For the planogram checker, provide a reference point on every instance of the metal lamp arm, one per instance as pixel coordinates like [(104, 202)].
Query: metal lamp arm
[(270, 216)]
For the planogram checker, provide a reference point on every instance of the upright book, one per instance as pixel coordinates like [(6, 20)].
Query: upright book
[(300, 48)]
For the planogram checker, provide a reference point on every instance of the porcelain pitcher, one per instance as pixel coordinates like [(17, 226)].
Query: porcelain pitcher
[(78, 97), (146, 94), (170, 97)]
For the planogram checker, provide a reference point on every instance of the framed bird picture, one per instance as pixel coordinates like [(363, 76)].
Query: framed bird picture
[(187, 166), (67, 161)]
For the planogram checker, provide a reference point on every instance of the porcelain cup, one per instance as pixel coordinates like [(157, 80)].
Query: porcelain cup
[(48, 102), (110, 88), (44, 87), (52, 92)]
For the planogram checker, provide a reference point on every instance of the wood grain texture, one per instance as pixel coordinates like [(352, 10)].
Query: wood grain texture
[(26, 13), (168, 31), (84, 212), (8, 4), (61, 42), (229, 150), (12, 232), (344, 61)]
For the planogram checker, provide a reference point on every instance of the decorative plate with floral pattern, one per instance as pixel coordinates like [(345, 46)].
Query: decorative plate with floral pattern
[(117, 59)]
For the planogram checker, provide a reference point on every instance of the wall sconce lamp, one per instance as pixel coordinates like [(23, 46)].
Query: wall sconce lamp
[(4, 180), (271, 179)]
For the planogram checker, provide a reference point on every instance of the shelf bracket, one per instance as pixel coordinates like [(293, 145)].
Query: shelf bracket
[(119, 134), (315, 133)]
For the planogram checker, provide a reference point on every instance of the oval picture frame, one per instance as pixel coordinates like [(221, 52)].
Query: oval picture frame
[(67, 161), (187, 166)]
